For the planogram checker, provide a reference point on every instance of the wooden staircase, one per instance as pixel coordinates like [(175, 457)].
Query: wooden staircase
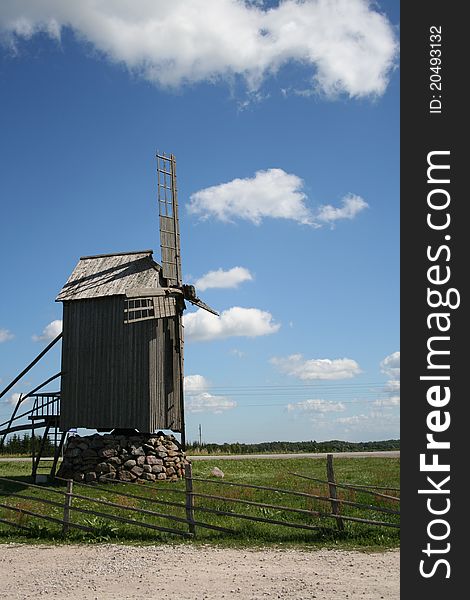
[(42, 420), (45, 414)]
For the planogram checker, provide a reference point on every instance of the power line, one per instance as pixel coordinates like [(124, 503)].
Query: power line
[(298, 386), (379, 405)]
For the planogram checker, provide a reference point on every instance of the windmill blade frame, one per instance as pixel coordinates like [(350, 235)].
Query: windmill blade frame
[(167, 194), (200, 304)]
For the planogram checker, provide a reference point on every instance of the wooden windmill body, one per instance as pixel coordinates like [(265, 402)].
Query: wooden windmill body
[(122, 346)]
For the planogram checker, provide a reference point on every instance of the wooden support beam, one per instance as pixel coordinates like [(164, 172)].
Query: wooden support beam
[(31, 365)]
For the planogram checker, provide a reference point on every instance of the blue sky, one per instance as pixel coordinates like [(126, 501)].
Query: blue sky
[(284, 119)]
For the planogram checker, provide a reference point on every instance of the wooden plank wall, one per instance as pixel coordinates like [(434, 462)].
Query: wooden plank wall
[(117, 374)]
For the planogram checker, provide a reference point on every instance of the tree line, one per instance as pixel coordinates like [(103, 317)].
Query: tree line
[(283, 447), (17, 444)]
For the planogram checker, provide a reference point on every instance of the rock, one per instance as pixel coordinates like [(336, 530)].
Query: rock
[(89, 453), (107, 452), (137, 470), (216, 472), (103, 467), (97, 442), (72, 452), (137, 451), (66, 472), (125, 476), (138, 458)]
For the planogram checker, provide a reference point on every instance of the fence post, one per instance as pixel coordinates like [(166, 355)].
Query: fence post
[(188, 478), (67, 505), (330, 475)]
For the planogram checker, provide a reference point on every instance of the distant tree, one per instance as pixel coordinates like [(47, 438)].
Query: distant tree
[(283, 447)]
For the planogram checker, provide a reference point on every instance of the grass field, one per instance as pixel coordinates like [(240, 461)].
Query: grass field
[(383, 472)]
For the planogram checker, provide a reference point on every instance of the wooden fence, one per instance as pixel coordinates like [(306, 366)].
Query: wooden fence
[(196, 500)]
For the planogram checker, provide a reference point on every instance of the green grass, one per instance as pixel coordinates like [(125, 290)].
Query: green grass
[(264, 472)]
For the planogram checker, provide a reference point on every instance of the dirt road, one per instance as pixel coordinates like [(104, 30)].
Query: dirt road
[(187, 572)]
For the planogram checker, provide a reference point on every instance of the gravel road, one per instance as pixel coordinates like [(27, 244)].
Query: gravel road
[(101, 572)]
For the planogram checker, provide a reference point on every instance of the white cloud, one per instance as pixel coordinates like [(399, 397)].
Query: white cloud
[(198, 399), (195, 383), (271, 194), (346, 46), (391, 365), (205, 402), (392, 400), (13, 398), (392, 386), (49, 332), (236, 321), (316, 406), (373, 425), (353, 419), (5, 335), (223, 279), (316, 368), (352, 205)]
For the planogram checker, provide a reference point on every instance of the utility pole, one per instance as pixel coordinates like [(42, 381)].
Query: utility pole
[(200, 435)]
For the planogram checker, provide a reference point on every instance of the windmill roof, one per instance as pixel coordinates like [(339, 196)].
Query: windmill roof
[(111, 275)]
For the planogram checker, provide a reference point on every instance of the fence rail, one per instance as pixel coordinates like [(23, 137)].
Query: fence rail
[(360, 488), (198, 500), (68, 506)]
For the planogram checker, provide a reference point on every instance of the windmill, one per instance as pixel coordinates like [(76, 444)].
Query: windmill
[(122, 338), (170, 247)]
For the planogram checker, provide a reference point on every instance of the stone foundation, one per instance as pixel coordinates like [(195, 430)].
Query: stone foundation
[(136, 457)]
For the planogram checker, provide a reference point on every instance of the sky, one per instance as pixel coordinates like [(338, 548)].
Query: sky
[(284, 120)]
